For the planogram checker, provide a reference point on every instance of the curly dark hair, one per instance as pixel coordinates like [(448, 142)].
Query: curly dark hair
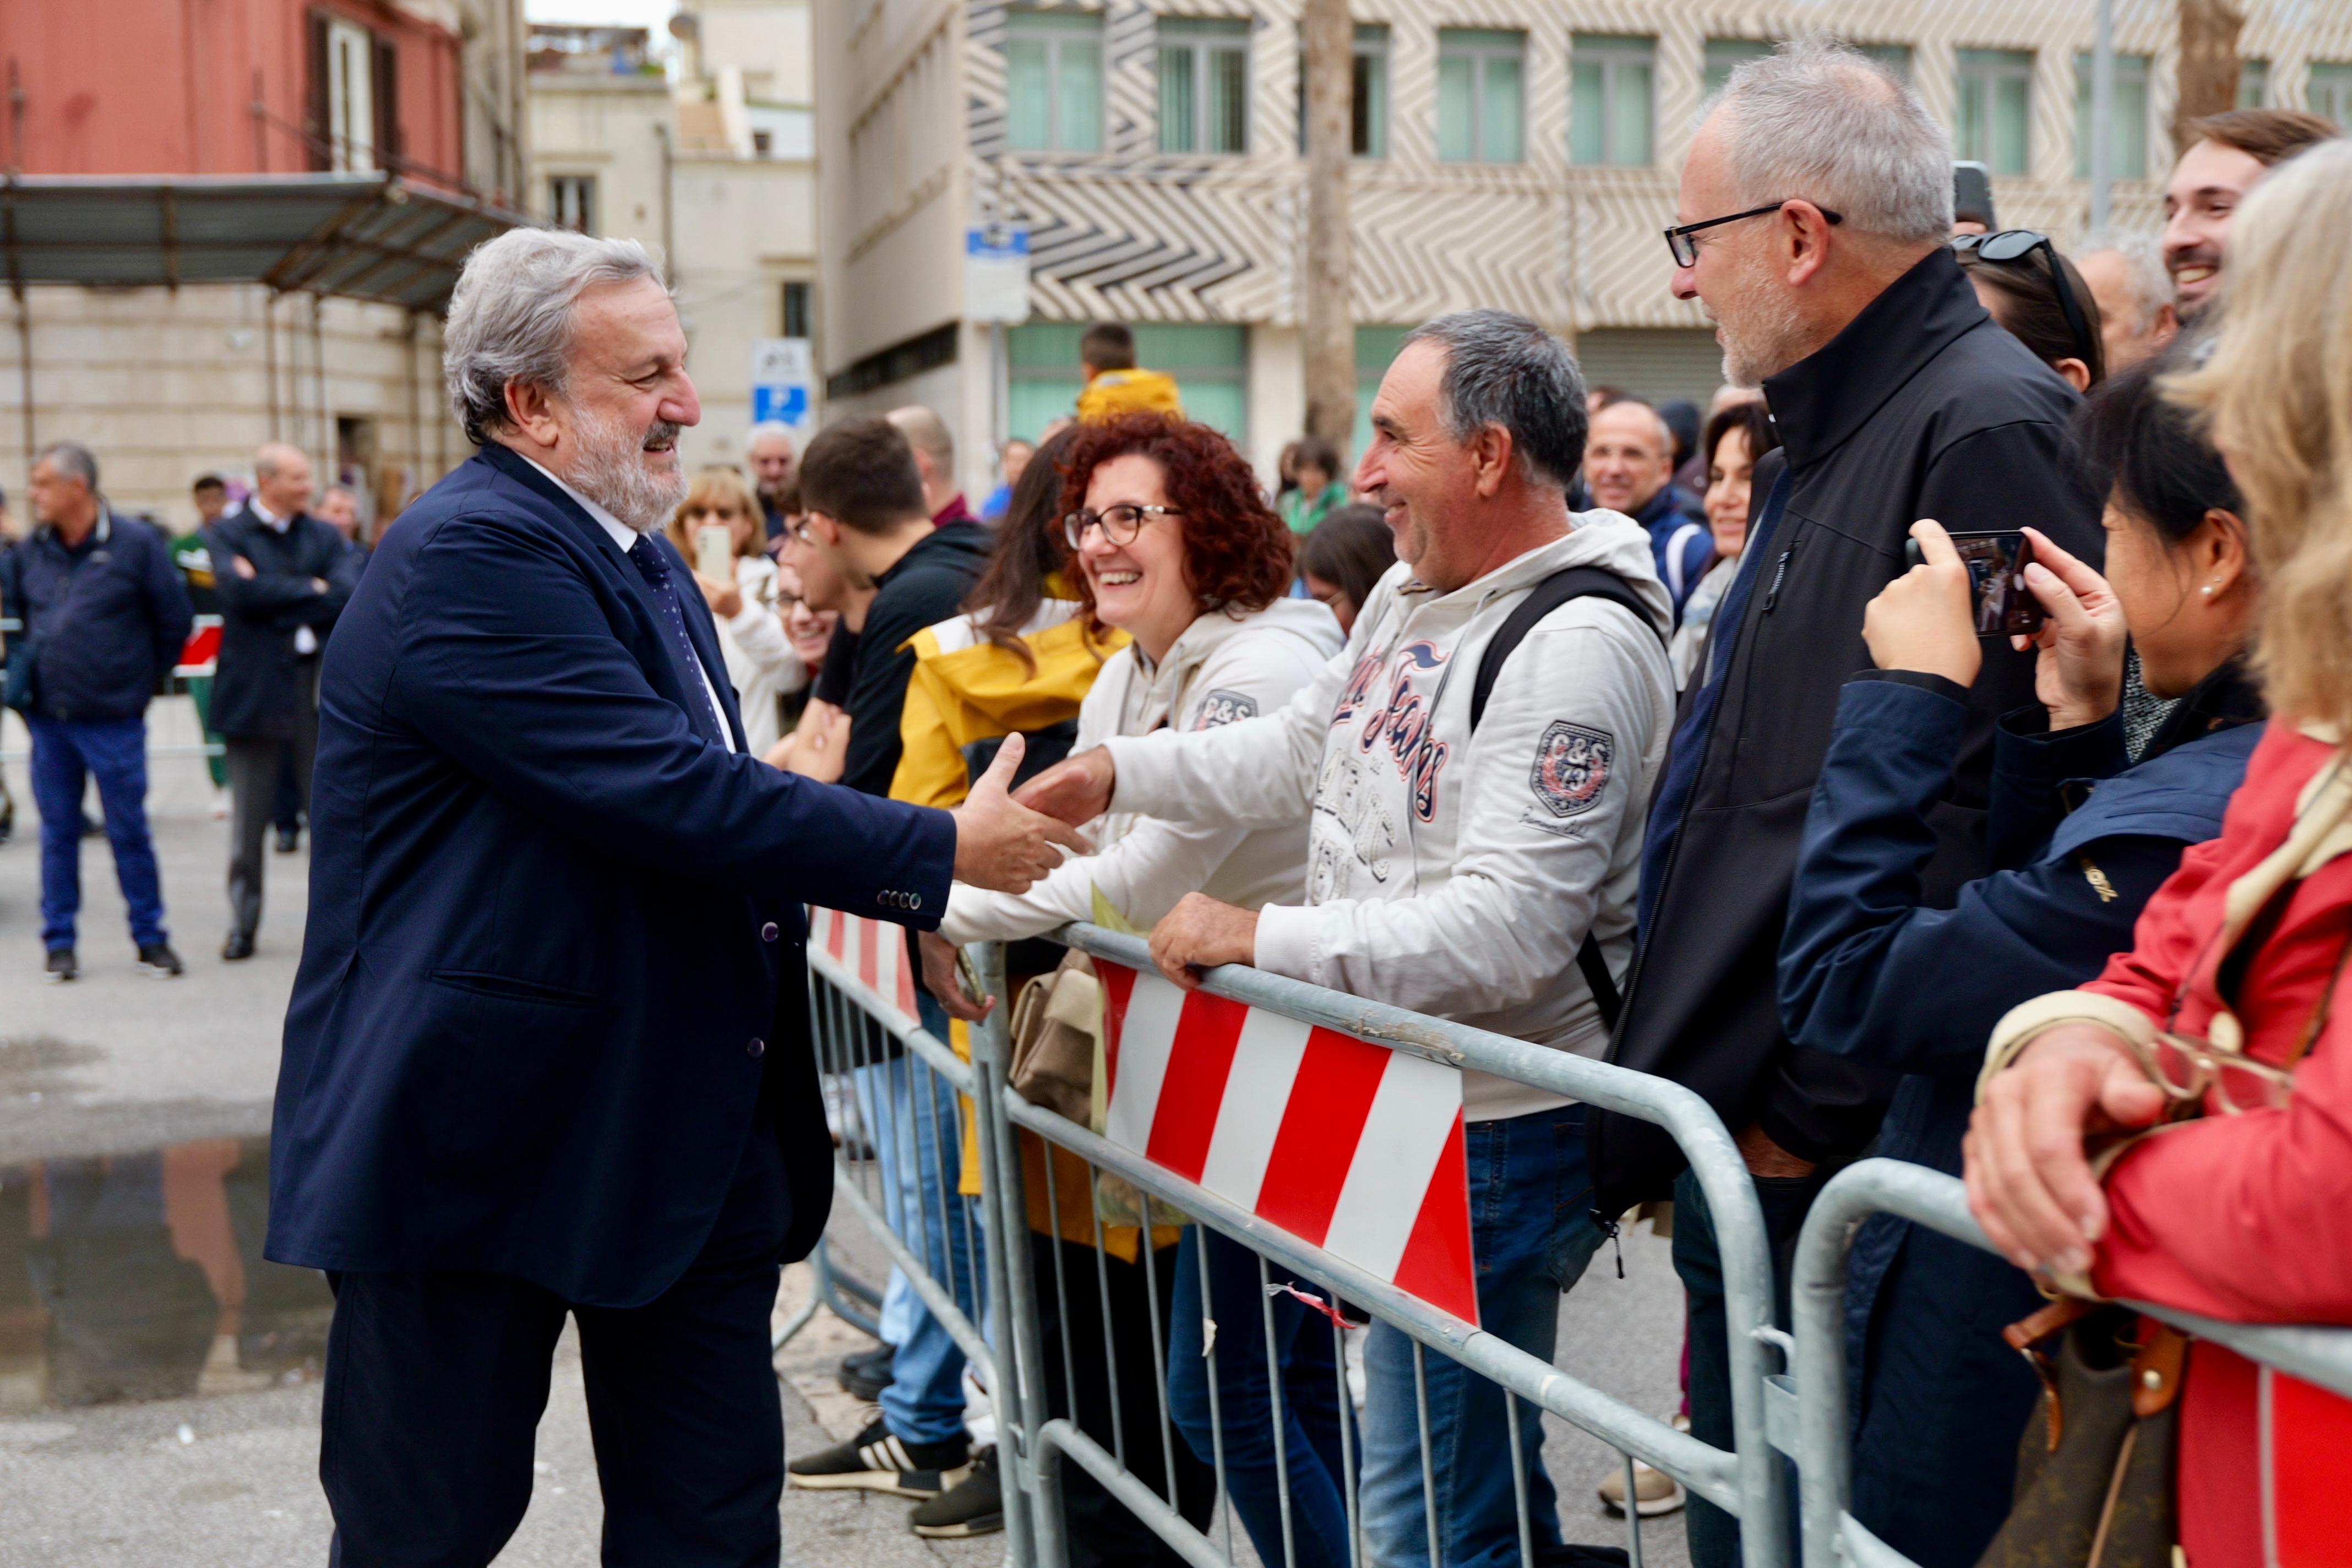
[(1236, 551)]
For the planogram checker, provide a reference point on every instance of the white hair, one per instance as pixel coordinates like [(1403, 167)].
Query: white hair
[(1820, 121), (761, 433), (511, 317), (2144, 273)]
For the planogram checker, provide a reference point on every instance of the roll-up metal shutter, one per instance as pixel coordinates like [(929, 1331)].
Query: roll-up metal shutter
[(1657, 363)]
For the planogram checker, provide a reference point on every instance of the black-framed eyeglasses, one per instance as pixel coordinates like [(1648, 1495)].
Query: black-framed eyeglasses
[(1685, 252), (1119, 524), (2016, 245)]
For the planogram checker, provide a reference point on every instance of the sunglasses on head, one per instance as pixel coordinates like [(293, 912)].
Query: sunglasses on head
[(2015, 246)]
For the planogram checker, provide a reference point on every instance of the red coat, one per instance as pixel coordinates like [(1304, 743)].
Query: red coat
[(2249, 1218)]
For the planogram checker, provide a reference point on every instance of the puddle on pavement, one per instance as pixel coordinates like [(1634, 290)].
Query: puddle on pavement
[(134, 1277)]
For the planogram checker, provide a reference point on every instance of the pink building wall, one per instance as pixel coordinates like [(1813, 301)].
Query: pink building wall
[(169, 87)]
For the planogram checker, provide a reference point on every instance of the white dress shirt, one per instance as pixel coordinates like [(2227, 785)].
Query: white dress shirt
[(306, 641), (627, 540)]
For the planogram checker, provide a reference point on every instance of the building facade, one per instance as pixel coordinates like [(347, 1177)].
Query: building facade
[(713, 166), (167, 382), (1520, 154)]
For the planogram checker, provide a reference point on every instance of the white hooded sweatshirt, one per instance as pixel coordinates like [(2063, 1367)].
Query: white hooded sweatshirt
[(1449, 873), (1221, 668)]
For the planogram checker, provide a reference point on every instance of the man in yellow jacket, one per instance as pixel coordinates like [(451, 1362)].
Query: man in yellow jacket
[(1114, 384)]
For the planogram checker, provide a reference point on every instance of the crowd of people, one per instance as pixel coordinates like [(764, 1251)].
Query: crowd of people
[(1932, 748)]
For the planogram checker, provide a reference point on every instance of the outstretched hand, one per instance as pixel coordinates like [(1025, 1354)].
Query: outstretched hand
[(1076, 789), (1002, 845)]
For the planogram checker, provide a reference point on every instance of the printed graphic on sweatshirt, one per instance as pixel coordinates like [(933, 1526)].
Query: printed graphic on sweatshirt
[(1404, 722), (1571, 768), (1224, 707), (1347, 794)]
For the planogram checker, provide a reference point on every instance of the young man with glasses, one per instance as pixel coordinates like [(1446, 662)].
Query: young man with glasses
[(1813, 222)]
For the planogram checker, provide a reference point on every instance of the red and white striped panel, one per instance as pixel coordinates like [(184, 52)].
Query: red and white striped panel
[(874, 952), (1349, 1147)]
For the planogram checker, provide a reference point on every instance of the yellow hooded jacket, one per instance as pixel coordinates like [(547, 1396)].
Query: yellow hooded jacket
[(1116, 392)]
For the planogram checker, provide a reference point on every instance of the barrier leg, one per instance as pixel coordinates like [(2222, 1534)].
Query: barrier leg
[(1033, 1503)]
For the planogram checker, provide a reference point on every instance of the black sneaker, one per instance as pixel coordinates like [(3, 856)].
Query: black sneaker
[(62, 965), (160, 960), (875, 1461), (974, 1506), (868, 1373)]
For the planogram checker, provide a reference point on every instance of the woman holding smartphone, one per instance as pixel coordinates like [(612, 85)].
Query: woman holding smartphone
[(1870, 970), (718, 527)]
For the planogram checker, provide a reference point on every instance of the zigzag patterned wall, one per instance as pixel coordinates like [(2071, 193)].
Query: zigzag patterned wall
[(1133, 233)]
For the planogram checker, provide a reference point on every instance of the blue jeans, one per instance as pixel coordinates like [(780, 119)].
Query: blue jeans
[(1312, 1401), (65, 753), (911, 1116), (1531, 1233)]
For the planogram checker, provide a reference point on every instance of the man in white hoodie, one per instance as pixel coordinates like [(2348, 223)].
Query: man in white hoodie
[(1471, 860)]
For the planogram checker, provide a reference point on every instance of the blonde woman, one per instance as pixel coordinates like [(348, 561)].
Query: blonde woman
[(760, 662), (2230, 1003)]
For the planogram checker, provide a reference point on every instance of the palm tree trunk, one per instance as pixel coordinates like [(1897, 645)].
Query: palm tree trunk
[(1329, 43), (2209, 64)]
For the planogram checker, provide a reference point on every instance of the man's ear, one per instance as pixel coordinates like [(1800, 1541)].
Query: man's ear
[(1802, 237), (530, 409), (1491, 453)]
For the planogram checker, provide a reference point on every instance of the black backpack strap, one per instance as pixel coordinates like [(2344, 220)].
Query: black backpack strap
[(1570, 583)]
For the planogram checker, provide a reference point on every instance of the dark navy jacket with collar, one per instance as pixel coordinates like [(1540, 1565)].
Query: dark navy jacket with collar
[(1870, 974), (102, 623), (555, 940), (261, 686)]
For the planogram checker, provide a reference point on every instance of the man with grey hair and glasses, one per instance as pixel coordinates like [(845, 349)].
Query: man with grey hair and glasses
[(1475, 765), (1813, 222), (547, 1053)]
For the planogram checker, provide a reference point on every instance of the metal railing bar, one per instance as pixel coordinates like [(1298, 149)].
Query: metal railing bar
[(1111, 1331), (1064, 1436), (1216, 1397), (1280, 1414), (1519, 1482), (934, 1295), (1428, 1462), (1710, 1471), (883, 1016)]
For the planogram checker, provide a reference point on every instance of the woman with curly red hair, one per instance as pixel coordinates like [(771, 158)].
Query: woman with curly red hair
[(1170, 542)]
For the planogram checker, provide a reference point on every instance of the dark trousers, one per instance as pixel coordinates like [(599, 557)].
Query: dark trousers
[(1117, 1368), (254, 766), (435, 1383), (1713, 1535)]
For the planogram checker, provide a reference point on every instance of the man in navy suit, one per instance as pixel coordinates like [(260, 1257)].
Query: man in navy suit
[(548, 1050)]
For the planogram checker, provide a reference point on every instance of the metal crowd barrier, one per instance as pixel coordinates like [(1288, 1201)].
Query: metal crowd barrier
[(860, 1033), (1833, 1538)]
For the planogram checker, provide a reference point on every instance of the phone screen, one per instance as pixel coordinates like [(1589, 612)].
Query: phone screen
[(714, 552), (2004, 605)]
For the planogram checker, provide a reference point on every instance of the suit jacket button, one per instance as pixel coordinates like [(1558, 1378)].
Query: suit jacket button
[(914, 901), (770, 931), (758, 1047)]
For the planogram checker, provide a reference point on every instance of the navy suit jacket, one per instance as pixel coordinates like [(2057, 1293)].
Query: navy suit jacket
[(555, 939)]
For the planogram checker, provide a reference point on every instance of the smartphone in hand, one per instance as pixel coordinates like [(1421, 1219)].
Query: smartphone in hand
[(2004, 606), (714, 552)]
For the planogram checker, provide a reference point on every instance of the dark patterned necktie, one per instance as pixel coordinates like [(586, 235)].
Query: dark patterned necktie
[(708, 722)]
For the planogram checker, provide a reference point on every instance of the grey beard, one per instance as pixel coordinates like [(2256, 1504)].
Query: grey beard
[(611, 472)]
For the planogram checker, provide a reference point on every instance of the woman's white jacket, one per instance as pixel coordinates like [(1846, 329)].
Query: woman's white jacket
[(1223, 667)]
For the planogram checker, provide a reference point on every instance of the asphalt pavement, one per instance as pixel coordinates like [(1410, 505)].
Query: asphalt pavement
[(216, 1463)]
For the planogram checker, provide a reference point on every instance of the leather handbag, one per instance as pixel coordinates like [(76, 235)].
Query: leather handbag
[(1056, 1028), (2095, 1468)]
